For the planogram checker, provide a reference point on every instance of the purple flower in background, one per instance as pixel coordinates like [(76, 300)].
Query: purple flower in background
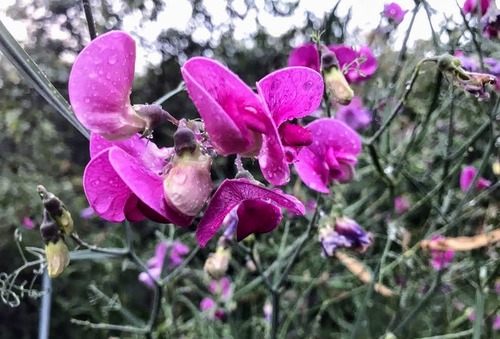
[(355, 115), (470, 6), (440, 259), (467, 63), (99, 89), (401, 205), (467, 176), (394, 13), (175, 250), (305, 55), (496, 322), (222, 288), (332, 156), (497, 286), (28, 223), (346, 233), (491, 25), (360, 65), (239, 121), (114, 168), (87, 213), (209, 307), (268, 312), (250, 199), (493, 66)]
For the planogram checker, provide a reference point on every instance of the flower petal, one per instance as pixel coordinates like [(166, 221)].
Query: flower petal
[(224, 102), (100, 83), (105, 190), (269, 217), (305, 55), (272, 158), (292, 92), (145, 184), (231, 193), (312, 170)]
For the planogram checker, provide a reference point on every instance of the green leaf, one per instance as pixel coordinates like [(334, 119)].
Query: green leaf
[(31, 72)]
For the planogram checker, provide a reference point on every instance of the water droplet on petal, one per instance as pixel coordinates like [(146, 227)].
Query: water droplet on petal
[(112, 60)]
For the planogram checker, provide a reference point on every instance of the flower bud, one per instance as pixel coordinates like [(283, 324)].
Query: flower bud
[(217, 263), (49, 230), (335, 82), (57, 254), (56, 209), (153, 115)]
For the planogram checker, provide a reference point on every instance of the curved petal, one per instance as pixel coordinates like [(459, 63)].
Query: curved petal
[(466, 177), (105, 190), (329, 132), (369, 66), (269, 217), (100, 83), (224, 102), (292, 92), (312, 170), (231, 193), (345, 55), (305, 55), (150, 155), (145, 184), (272, 158)]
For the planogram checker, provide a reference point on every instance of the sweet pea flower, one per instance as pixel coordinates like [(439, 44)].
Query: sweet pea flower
[(355, 115), (87, 213), (124, 180), (496, 322), (331, 157), (471, 6), (221, 290), (99, 89), (239, 121), (440, 259), (175, 250), (358, 66), (250, 199), (28, 223), (401, 204), (491, 24), (394, 13), (467, 176), (346, 233)]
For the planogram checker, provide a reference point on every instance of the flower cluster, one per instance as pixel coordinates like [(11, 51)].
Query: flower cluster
[(489, 14), (130, 177)]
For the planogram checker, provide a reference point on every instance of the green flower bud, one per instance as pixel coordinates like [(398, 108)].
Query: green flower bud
[(56, 210)]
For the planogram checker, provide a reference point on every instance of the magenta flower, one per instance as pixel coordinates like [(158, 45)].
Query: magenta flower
[(346, 233), (358, 66), (175, 250), (250, 199), (99, 89), (496, 322), (467, 176), (222, 288), (355, 115), (239, 121), (491, 24), (331, 157), (28, 223), (394, 13), (305, 55), (440, 259), (401, 205), (124, 180), (467, 63), (222, 291), (471, 6)]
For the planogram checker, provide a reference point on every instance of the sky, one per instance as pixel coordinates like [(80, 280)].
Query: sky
[(366, 17)]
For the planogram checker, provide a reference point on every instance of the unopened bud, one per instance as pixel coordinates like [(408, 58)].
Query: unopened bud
[(217, 263), (57, 254), (184, 140), (496, 169), (337, 87), (153, 115), (49, 229), (56, 210), (448, 63)]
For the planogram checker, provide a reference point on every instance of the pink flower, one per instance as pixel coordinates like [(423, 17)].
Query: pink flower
[(305, 55), (175, 250), (250, 199), (440, 259), (394, 13), (239, 121), (496, 322), (28, 223), (467, 176), (99, 89), (358, 66), (355, 115), (401, 205), (346, 233), (330, 157), (222, 288), (467, 63), (123, 180), (471, 6)]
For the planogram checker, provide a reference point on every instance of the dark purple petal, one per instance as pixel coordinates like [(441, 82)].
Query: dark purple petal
[(230, 194), (305, 55), (292, 92), (100, 83), (225, 104), (257, 216)]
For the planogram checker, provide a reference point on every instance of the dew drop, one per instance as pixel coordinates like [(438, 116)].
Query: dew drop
[(112, 60)]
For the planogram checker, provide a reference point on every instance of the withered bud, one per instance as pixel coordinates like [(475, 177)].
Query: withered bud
[(49, 229), (328, 60), (56, 209), (448, 63)]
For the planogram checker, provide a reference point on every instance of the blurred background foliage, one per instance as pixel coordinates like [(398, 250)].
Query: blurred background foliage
[(321, 298)]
